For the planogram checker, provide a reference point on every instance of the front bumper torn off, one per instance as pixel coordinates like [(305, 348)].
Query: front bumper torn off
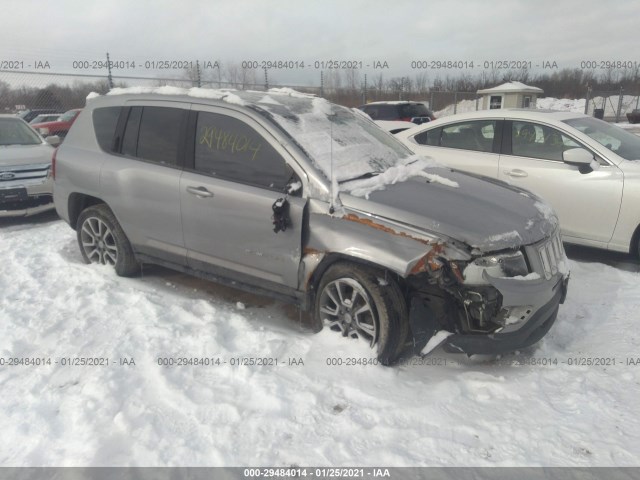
[(544, 295)]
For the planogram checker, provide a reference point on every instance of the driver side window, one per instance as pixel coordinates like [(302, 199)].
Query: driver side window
[(539, 141), (228, 148)]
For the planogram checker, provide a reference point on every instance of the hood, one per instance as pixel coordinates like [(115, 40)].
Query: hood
[(18, 155), (483, 213)]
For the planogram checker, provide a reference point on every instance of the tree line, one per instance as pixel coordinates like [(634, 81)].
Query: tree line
[(345, 87)]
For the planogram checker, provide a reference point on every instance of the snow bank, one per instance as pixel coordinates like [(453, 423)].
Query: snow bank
[(444, 411), (610, 105), (562, 104)]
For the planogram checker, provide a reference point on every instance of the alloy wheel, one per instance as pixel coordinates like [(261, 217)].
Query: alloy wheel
[(346, 307), (98, 242)]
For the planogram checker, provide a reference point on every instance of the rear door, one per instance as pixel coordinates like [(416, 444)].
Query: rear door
[(470, 146), (141, 181), (235, 174)]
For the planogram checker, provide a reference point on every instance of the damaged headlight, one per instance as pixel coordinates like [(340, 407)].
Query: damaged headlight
[(511, 264)]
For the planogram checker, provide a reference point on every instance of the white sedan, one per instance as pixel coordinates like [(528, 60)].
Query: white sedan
[(587, 169)]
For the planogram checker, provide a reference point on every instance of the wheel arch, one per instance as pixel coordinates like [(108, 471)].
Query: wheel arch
[(337, 257), (332, 258), (77, 203), (634, 245)]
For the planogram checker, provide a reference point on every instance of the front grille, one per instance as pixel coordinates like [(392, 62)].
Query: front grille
[(26, 172), (551, 253), (21, 176)]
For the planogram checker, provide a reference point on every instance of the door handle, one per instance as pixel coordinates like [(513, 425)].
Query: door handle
[(199, 192), (516, 173)]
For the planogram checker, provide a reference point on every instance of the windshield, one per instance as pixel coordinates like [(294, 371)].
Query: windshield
[(337, 140), (15, 132), (619, 141)]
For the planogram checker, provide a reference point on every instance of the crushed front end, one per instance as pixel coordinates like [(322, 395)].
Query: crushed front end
[(491, 304)]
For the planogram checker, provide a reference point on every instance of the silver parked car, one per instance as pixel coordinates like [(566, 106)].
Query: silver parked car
[(587, 169), (287, 194), (26, 187)]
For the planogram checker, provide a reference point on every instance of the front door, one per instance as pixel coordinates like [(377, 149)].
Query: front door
[(587, 203), (227, 195)]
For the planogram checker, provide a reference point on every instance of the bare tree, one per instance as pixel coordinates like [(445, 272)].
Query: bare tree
[(421, 83), (247, 77), (233, 74)]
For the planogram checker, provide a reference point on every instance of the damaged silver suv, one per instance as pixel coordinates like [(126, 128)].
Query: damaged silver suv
[(287, 194)]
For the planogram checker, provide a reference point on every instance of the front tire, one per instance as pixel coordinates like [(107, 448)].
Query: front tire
[(102, 240), (361, 302)]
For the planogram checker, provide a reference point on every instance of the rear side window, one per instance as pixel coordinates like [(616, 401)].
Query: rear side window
[(230, 149), (154, 134), (413, 110), (430, 137), (382, 112), (105, 121), (130, 140), (474, 135)]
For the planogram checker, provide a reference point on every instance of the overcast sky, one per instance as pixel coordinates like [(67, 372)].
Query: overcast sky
[(395, 31)]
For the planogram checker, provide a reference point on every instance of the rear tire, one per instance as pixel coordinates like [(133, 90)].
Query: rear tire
[(362, 302), (102, 240)]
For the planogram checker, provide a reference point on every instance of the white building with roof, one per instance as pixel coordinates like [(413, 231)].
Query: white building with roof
[(510, 95)]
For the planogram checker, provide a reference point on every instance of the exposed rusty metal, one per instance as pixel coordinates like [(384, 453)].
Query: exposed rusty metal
[(311, 258), (370, 223), (430, 261), (457, 272), (311, 251)]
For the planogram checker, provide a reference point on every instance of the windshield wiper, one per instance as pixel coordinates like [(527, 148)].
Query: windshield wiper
[(360, 177)]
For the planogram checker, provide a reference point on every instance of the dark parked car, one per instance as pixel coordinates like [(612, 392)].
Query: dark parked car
[(634, 116), (395, 117), (405, 111)]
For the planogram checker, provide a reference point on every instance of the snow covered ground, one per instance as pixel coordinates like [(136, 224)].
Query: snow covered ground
[(478, 412)]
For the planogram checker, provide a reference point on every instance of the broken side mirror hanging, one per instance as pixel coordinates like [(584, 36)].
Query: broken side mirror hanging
[(280, 217)]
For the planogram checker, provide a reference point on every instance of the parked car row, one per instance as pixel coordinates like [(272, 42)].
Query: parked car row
[(289, 195)]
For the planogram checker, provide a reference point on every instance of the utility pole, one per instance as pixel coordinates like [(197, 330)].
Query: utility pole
[(364, 93), (109, 77)]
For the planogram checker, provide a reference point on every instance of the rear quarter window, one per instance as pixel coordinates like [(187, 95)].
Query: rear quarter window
[(430, 137), (105, 121)]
